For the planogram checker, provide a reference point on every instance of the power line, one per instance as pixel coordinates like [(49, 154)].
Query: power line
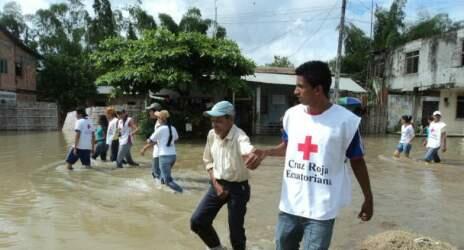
[(314, 33), (274, 12), (276, 21), (282, 35)]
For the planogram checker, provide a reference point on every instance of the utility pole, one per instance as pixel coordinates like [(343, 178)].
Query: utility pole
[(339, 51), (215, 19)]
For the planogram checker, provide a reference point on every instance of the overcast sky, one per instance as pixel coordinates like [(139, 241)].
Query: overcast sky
[(299, 29)]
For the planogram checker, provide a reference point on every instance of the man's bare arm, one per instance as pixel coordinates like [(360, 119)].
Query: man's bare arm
[(360, 171)]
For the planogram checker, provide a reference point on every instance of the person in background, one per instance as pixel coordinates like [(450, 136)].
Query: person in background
[(154, 107), (128, 129), (112, 134), (84, 142), (164, 137), (436, 138), (100, 137), (407, 135), (427, 130)]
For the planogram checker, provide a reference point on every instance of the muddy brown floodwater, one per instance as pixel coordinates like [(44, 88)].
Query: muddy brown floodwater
[(44, 206)]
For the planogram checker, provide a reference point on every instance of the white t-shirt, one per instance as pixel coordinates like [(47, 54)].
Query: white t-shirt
[(155, 147), (316, 182), (435, 131), (161, 137), (126, 130), (407, 133), (85, 127), (112, 130)]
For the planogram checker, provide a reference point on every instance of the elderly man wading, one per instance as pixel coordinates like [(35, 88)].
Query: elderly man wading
[(225, 150)]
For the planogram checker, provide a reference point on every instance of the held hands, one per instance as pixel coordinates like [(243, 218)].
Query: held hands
[(254, 158), (367, 210), (75, 151), (142, 152)]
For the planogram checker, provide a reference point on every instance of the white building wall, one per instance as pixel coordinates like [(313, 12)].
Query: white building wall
[(454, 125), (439, 64), (440, 69)]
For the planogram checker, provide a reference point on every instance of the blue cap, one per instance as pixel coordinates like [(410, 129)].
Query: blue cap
[(221, 108)]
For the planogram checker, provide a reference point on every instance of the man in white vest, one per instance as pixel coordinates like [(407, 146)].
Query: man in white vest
[(436, 138), (318, 138)]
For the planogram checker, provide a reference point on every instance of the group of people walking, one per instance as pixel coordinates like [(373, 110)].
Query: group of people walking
[(118, 136), (320, 141), (434, 140)]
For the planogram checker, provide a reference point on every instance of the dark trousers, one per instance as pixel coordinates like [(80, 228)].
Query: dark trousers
[(100, 150), (202, 219), (114, 149)]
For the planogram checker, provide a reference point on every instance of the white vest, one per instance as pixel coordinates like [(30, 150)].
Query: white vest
[(316, 182), (126, 131)]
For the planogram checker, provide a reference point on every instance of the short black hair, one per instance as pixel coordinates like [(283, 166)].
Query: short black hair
[(81, 111), (407, 118), (316, 73)]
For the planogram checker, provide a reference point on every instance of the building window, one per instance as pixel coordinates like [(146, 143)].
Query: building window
[(3, 66), (412, 62), (460, 107), (19, 69)]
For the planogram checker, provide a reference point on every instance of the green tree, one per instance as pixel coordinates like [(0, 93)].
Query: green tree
[(160, 59), (192, 21), (104, 23), (141, 19), (168, 23), (12, 19), (389, 25), (429, 26), (221, 32), (131, 33), (66, 75), (356, 56), (281, 61)]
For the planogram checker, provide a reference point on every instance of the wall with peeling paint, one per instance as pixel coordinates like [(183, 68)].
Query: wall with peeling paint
[(440, 64), (440, 73)]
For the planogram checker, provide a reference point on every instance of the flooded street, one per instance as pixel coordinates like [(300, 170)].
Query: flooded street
[(42, 204)]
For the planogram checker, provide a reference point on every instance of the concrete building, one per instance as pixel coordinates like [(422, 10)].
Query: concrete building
[(426, 75)]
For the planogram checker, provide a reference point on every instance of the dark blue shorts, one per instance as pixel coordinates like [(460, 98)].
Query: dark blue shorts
[(404, 147), (82, 154)]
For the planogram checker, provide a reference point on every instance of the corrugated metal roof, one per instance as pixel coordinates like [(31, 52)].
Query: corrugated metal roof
[(346, 84)]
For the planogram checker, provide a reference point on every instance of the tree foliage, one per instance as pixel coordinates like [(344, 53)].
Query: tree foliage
[(104, 24), (12, 19), (66, 75), (281, 61), (429, 26), (389, 25), (161, 59)]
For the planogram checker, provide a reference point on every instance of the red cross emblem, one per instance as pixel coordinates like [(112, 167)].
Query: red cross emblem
[(307, 148)]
